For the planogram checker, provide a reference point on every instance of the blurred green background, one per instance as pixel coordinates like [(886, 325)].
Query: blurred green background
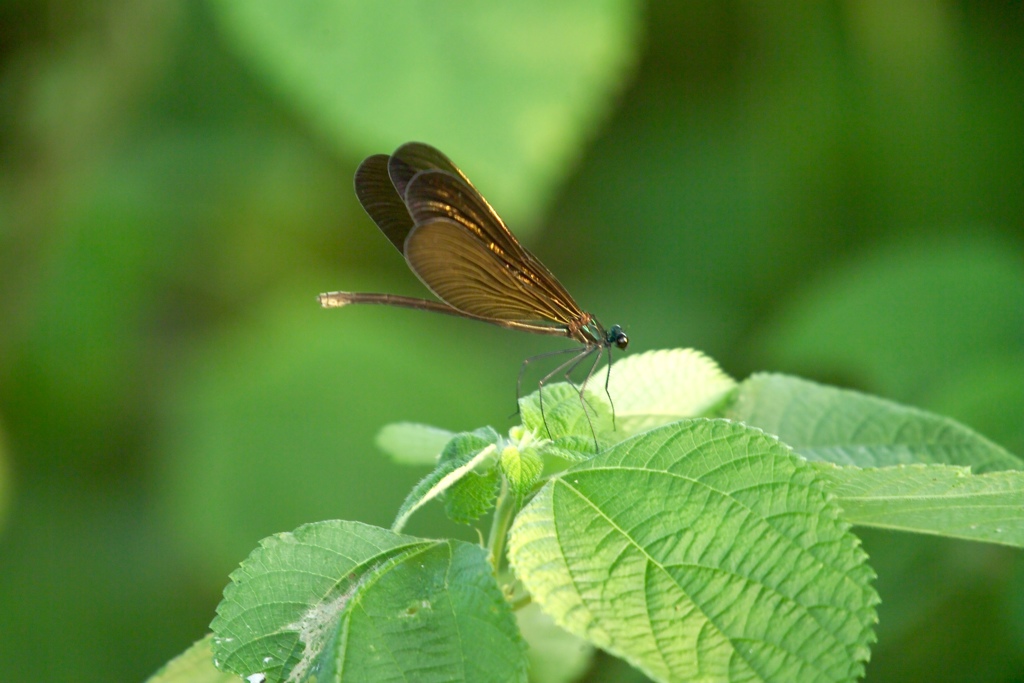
[(830, 189)]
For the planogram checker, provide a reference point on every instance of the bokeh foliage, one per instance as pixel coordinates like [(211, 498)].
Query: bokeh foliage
[(830, 189)]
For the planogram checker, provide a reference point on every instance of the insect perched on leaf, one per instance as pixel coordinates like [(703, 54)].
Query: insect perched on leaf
[(462, 251)]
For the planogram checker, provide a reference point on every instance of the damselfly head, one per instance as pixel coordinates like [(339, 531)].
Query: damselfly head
[(617, 336)]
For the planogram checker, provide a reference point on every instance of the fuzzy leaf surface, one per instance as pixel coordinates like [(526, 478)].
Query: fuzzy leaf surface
[(464, 475), (657, 387), (703, 550), (570, 422)]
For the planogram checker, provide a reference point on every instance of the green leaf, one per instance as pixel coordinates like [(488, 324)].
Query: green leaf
[(472, 496), (558, 414), (371, 75), (849, 428), (411, 443), (342, 601), (464, 453), (702, 550), (933, 499), (522, 467), (569, 448), (474, 493), (655, 388), (194, 665)]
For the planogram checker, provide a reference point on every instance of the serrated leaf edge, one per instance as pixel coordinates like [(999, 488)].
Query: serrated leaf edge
[(446, 482)]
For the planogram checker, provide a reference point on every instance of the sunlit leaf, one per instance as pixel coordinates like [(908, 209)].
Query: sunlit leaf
[(558, 413), (702, 550), (658, 387), (522, 467)]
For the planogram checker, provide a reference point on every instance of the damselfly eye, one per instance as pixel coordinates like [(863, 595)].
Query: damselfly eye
[(618, 337)]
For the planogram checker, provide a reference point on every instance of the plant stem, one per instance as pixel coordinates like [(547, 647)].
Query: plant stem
[(504, 509), (521, 602)]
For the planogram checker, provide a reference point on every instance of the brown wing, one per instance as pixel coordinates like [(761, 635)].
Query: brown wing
[(418, 186), (381, 201), (434, 194), (413, 157), (464, 273), (381, 180)]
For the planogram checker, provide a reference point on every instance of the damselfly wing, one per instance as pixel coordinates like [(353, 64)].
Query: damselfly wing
[(459, 247)]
